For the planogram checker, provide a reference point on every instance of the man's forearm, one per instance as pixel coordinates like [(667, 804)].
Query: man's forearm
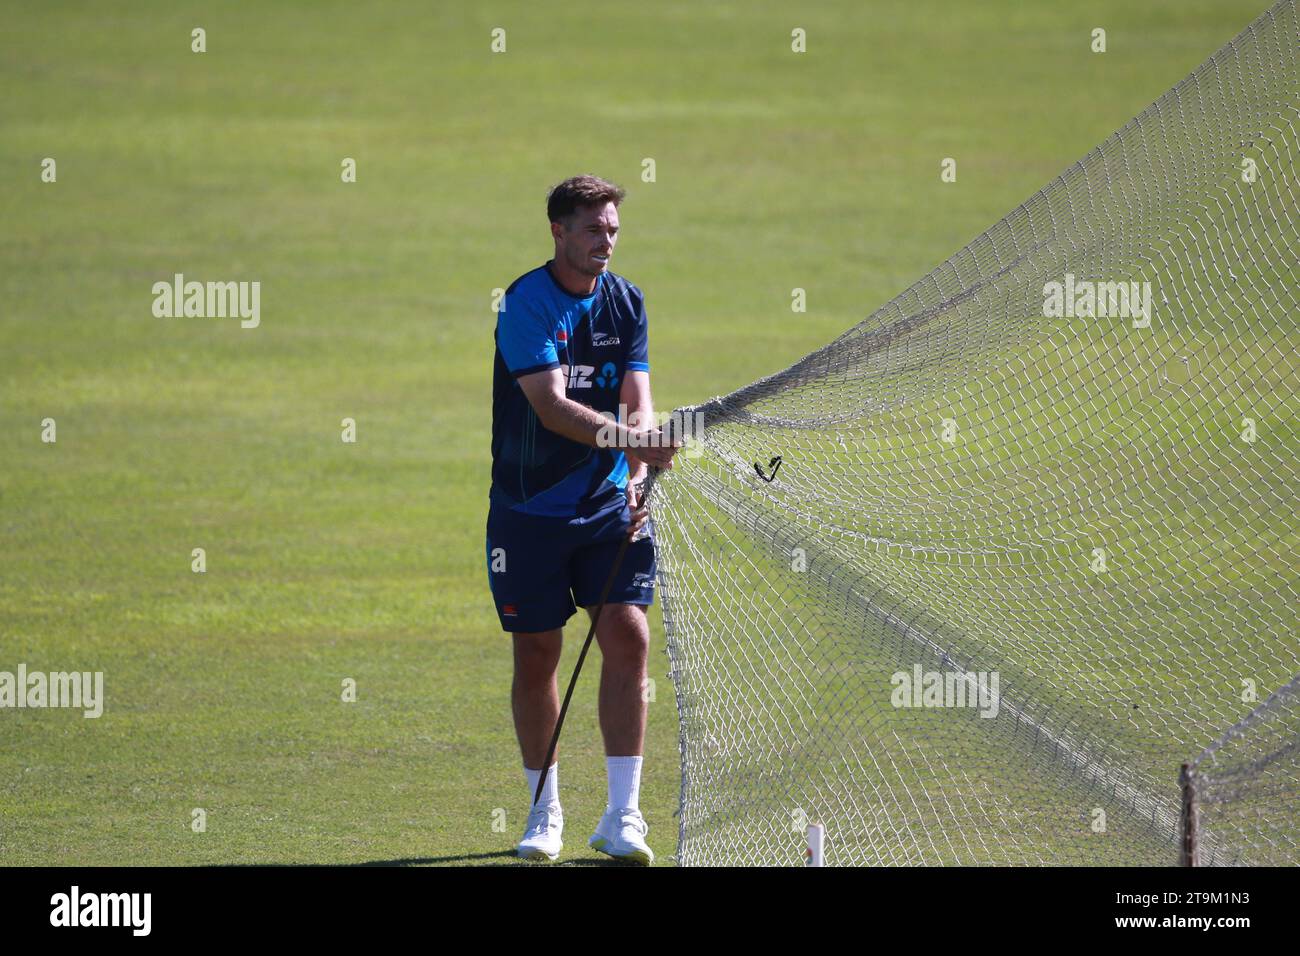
[(585, 425), (639, 415)]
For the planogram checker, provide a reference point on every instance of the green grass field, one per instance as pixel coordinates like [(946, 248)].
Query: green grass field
[(326, 560)]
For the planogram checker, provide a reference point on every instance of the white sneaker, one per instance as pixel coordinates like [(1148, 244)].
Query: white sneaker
[(621, 834), (542, 837)]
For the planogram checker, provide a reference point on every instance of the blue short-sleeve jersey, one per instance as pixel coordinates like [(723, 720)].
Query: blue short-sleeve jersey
[(595, 340)]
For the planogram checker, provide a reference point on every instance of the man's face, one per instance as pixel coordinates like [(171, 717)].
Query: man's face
[(586, 241)]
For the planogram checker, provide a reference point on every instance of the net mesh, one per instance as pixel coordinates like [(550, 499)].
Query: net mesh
[(1010, 568), (1246, 786)]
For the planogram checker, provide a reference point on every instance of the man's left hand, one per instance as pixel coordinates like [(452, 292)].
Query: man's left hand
[(640, 511)]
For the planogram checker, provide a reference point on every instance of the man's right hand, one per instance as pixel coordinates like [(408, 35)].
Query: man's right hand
[(652, 447)]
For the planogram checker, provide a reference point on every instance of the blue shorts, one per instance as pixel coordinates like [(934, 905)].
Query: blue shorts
[(542, 569)]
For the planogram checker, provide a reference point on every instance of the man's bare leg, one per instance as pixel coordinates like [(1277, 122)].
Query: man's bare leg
[(536, 706), (534, 698), (624, 638)]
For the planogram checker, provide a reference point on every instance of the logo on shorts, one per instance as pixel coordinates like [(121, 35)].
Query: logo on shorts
[(643, 580), (509, 610)]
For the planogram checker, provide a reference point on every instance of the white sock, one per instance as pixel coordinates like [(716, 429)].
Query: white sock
[(550, 792), (624, 782)]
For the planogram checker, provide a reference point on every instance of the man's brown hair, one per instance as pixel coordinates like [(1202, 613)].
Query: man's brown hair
[(566, 197)]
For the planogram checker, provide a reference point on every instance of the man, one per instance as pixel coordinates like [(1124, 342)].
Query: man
[(571, 344)]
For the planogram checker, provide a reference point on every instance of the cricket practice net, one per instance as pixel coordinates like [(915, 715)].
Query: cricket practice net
[(1030, 543)]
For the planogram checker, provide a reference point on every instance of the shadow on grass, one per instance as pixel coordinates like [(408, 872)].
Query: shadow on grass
[(502, 858)]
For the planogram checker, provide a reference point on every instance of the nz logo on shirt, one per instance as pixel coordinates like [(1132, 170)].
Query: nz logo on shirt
[(578, 375), (603, 338)]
